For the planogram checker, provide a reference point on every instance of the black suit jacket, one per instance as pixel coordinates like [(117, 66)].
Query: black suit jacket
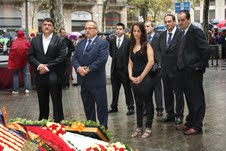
[(155, 46), (194, 50), (125, 49), (169, 53), (55, 58)]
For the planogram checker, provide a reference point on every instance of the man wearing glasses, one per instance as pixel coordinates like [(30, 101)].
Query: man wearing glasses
[(89, 61)]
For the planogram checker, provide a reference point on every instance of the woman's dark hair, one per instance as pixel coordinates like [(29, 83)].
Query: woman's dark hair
[(143, 39)]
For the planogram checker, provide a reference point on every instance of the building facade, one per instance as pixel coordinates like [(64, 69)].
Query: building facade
[(217, 10), (75, 14)]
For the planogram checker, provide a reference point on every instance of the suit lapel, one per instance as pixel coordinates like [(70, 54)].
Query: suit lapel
[(174, 38), (164, 40), (124, 43), (51, 44), (92, 45), (41, 48)]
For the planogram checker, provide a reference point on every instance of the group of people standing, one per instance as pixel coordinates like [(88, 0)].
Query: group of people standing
[(178, 56)]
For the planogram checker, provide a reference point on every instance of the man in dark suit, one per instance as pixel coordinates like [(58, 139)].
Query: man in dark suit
[(47, 55), (119, 51), (192, 60), (70, 48), (89, 61), (153, 38), (169, 42)]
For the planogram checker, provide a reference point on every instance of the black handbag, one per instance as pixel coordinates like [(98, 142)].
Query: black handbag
[(156, 67)]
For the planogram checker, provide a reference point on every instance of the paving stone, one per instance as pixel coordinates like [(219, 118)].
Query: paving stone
[(164, 136)]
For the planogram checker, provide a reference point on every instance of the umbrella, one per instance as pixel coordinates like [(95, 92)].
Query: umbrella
[(4, 40), (215, 21), (75, 33), (223, 28), (222, 24), (197, 25)]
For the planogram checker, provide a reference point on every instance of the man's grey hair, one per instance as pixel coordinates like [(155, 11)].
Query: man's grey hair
[(151, 23), (92, 21)]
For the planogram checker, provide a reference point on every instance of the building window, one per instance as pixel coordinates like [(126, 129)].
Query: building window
[(212, 2), (211, 15), (10, 19), (112, 19), (78, 20), (197, 16)]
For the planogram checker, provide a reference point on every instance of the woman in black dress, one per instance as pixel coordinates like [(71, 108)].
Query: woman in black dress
[(141, 61)]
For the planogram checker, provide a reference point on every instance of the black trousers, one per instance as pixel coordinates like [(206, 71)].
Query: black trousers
[(171, 87), (67, 73), (194, 93), (118, 78), (49, 85), (158, 94), (95, 98), (143, 93)]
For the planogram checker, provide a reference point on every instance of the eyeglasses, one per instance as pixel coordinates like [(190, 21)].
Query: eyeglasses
[(89, 28)]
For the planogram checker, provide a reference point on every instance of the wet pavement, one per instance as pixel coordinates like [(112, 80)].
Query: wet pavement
[(164, 136)]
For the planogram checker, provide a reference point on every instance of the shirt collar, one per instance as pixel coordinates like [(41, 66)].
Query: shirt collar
[(48, 38), (92, 39), (173, 31), (120, 38), (186, 30)]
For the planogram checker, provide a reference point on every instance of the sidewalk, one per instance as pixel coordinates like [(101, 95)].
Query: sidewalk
[(164, 136)]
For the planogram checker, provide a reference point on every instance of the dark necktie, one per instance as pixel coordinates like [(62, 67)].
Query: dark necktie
[(118, 44), (89, 42), (169, 39), (183, 33), (150, 38)]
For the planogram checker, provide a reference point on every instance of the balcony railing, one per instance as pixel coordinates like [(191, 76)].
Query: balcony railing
[(80, 2), (117, 4)]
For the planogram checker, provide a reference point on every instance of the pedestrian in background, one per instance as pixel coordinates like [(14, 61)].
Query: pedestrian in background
[(47, 54), (141, 60), (153, 39), (69, 49), (18, 62)]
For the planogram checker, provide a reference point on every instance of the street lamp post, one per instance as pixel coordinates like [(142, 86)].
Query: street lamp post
[(26, 27), (26, 17)]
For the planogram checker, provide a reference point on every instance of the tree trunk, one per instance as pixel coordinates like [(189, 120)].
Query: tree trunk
[(105, 2), (144, 14), (205, 17), (56, 12)]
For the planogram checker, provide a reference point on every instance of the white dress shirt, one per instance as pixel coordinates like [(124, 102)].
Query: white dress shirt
[(46, 41), (121, 40), (173, 33)]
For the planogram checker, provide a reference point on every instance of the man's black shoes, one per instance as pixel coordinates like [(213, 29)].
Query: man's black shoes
[(130, 112), (112, 110)]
